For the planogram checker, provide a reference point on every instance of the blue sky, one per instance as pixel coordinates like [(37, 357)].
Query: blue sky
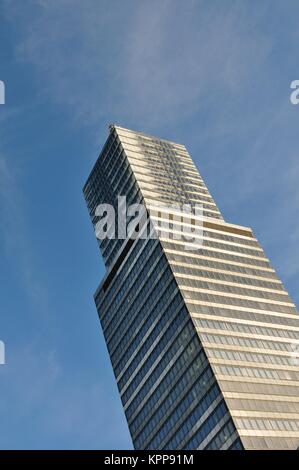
[(214, 75)]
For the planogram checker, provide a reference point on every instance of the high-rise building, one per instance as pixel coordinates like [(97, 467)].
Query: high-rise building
[(204, 343)]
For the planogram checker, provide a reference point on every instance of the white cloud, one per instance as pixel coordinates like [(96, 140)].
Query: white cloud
[(152, 61), (179, 56)]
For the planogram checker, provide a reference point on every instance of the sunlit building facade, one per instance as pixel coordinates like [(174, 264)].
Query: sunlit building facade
[(204, 343)]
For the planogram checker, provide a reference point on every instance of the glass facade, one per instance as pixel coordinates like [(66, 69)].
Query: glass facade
[(203, 343)]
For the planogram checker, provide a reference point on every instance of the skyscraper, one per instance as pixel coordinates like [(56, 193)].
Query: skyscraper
[(204, 343)]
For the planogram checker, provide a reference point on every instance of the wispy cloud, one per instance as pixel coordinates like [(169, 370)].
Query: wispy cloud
[(152, 61), (178, 59)]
